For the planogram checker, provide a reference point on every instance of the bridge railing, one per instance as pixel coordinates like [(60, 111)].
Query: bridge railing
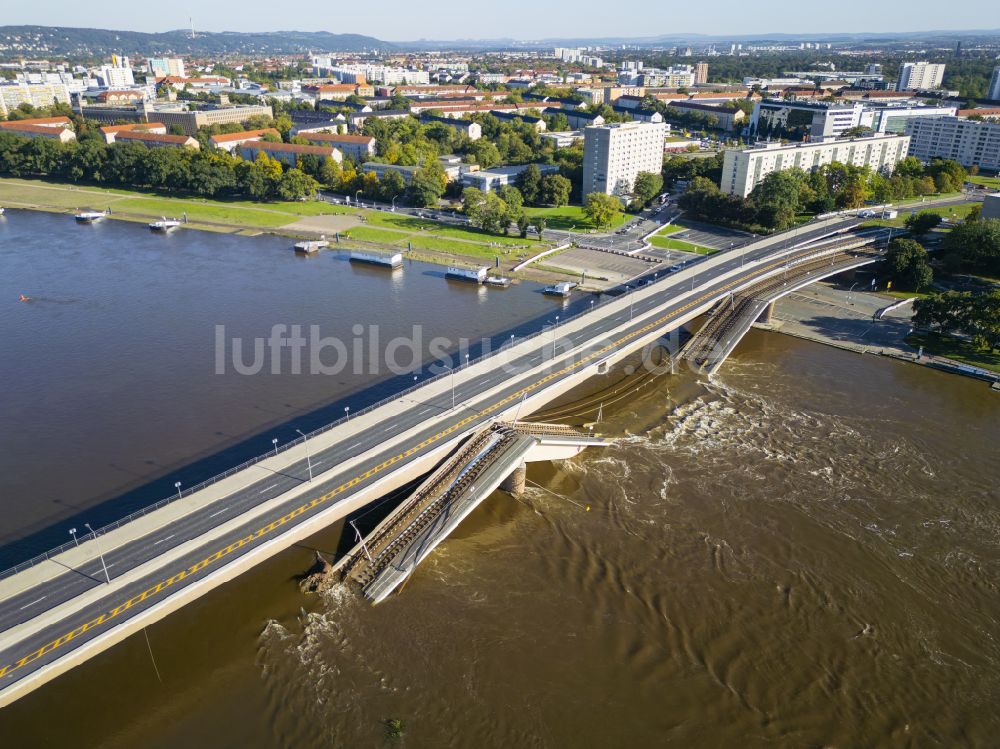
[(21, 566), (180, 494)]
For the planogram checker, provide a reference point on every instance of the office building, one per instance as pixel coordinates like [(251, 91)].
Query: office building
[(920, 76), (894, 119), (614, 154), (775, 119), (969, 142), (700, 72), (744, 168)]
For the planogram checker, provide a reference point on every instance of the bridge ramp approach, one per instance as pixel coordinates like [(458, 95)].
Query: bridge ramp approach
[(492, 458), (732, 318)]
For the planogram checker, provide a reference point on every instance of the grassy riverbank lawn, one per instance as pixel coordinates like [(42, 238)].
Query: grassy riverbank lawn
[(390, 229), (570, 218), (957, 349)]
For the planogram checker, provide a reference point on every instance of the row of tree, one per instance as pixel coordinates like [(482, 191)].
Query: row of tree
[(777, 199), (209, 173), (974, 315)]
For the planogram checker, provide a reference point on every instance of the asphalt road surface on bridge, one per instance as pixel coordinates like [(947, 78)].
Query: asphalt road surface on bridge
[(440, 422)]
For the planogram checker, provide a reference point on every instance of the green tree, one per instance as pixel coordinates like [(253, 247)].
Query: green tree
[(975, 246), (910, 167), (923, 222), (541, 224), (485, 153), (906, 265), (523, 222), (329, 173), (602, 209), (393, 185), (776, 199), (427, 184), (295, 184), (555, 190), (647, 186), (529, 182)]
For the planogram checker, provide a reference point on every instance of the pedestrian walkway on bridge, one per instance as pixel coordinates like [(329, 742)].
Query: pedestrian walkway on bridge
[(493, 457)]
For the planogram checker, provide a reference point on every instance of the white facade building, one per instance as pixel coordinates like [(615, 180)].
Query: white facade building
[(36, 94), (993, 92), (774, 119), (614, 154), (966, 141), (116, 75), (920, 76), (161, 67), (743, 169), (894, 119)]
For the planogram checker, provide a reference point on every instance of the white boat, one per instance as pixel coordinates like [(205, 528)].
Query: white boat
[(475, 275), (165, 224), (88, 217), (1, 210), (563, 289)]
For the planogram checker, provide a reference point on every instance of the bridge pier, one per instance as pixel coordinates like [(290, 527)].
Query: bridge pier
[(515, 483), (767, 314)]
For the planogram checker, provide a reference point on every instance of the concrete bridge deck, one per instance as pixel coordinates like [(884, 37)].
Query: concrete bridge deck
[(493, 457), (65, 609), (734, 317)]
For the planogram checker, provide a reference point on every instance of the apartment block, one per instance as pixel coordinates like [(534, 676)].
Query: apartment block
[(358, 148), (13, 95), (614, 154), (968, 142), (743, 169), (920, 76)]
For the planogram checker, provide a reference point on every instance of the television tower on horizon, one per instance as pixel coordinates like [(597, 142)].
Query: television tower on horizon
[(191, 21)]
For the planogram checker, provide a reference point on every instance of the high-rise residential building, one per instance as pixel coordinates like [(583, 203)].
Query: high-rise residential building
[(701, 72), (161, 67), (614, 154), (12, 95), (744, 168), (969, 142), (993, 92), (116, 75), (920, 76)]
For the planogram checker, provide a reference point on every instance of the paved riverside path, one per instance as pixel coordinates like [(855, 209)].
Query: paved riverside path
[(48, 615)]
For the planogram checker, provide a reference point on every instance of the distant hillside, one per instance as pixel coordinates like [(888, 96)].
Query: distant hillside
[(54, 41)]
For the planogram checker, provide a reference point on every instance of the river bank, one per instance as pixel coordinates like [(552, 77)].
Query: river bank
[(421, 239), (839, 316)]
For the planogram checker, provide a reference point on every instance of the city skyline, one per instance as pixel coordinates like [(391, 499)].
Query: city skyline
[(525, 21)]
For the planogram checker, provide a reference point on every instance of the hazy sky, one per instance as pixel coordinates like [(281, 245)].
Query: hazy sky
[(519, 19)]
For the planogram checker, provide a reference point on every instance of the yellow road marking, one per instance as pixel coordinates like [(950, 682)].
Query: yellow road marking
[(315, 502)]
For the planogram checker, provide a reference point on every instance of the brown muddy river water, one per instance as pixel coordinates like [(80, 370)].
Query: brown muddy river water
[(803, 553)]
